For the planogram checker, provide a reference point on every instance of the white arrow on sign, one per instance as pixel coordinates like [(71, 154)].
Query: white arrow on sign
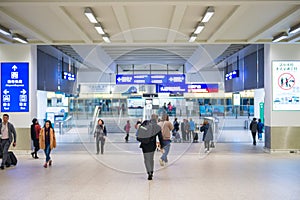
[(14, 67), (23, 91), (5, 91)]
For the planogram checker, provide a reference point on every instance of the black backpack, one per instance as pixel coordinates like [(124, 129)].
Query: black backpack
[(144, 133)]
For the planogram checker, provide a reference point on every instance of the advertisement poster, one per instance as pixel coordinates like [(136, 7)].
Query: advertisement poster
[(286, 85)]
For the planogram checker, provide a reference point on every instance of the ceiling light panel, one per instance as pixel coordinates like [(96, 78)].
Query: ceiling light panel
[(208, 14), (90, 15)]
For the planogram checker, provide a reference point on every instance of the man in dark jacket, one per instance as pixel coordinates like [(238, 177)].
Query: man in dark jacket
[(8, 135), (253, 129), (146, 134)]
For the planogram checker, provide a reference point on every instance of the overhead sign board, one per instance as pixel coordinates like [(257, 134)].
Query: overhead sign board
[(286, 85), (150, 79), (172, 88), (203, 88), (231, 75), (14, 87)]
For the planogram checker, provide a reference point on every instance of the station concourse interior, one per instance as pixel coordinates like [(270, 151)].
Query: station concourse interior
[(224, 62)]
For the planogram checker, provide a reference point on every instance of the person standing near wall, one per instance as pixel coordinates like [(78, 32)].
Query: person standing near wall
[(35, 133), (253, 129), (166, 128), (47, 141), (8, 135), (260, 129)]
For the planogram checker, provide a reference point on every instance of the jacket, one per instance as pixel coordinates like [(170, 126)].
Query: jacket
[(42, 139), (100, 131), (12, 135), (207, 132), (166, 128), (253, 126), (151, 146)]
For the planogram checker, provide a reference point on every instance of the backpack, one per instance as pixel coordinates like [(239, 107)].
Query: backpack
[(144, 132)]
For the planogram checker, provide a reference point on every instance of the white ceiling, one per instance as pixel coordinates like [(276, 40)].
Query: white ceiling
[(141, 27)]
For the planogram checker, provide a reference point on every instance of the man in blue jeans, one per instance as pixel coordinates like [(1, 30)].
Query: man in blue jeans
[(166, 128), (8, 135)]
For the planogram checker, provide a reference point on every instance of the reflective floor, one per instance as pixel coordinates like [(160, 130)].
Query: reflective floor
[(234, 169)]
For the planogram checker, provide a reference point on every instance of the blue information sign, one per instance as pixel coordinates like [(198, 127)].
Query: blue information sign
[(150, 79), (172, 88), (14, 87)]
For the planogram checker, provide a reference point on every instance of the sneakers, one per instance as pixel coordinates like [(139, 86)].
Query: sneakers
[(45, 165), (50, 162), (2, 167), (161, 162)]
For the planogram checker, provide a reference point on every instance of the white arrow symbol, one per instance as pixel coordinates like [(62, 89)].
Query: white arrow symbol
[(119, 79), (14, 67), (171, 79), (5, 91), (23, 91)]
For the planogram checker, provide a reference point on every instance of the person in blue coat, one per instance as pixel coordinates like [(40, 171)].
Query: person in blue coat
[(260, 129)]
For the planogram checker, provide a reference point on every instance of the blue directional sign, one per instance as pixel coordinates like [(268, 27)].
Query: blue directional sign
[(150, 79), (14, 87), (172, 88)]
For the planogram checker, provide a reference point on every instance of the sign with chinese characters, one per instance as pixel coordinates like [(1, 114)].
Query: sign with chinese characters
[(14, 87), (174, 88), (286, 85), (150, 79), (203, 88)]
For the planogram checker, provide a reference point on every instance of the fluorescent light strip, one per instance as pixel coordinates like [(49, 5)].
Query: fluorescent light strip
[(280, 37), (295, 29), (19, 38), (99, 29), (193, 38), (199, 28), (106, 38), (90, 15), (208, 14), (4, 31)]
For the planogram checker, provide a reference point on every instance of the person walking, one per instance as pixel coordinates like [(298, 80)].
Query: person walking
[(35, 133), (147, 133), (207, 135), (260, 129), (166, 128), (100, 134), (127, 130), (8, 135), (47, 141), (253, 129)]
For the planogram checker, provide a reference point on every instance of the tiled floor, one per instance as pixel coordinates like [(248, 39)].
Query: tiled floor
[(234, 169)]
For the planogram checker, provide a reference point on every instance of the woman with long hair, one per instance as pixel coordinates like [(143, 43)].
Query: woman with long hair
[(47, 141)]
